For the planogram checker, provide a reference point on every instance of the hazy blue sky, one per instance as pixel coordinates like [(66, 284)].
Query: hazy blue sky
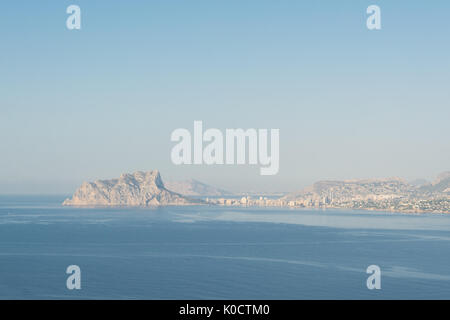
[(349, 102)]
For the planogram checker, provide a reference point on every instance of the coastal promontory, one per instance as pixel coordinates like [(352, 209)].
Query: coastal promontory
[(139, 189)]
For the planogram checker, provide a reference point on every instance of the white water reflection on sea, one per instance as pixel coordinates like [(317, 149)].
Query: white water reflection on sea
[(328, 218)]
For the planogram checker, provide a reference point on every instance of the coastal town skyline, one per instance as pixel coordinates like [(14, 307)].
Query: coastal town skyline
[(147, 189)]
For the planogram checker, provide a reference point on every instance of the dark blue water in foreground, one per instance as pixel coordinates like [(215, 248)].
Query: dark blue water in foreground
[(219, 253)]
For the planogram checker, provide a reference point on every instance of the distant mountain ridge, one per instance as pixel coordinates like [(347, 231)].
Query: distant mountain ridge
[(350, 189), (140, 189), (193, 187), (440, 185)]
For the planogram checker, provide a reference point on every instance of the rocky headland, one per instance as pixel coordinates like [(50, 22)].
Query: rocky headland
[(140, 189)]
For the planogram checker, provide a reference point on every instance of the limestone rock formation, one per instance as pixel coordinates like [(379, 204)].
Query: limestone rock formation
[(140, 189)]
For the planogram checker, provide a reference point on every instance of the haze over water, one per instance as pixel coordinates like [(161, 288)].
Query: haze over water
[(218, 253)]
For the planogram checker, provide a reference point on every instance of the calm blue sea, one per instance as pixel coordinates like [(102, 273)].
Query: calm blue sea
[(218, 253)]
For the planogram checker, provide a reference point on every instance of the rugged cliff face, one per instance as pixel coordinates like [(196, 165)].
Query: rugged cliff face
[(140, 189)]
